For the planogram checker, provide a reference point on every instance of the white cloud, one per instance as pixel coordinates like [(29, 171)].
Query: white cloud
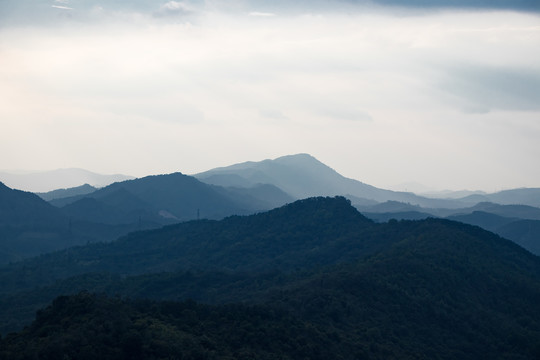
[(174, 8), (261, 14), (61, 7)]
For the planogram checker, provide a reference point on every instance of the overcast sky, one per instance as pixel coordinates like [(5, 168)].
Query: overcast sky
[(446, 97)]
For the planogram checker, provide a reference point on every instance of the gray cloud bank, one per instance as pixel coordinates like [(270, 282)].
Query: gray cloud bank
[(483, 88), (517, 5), (32, 12)]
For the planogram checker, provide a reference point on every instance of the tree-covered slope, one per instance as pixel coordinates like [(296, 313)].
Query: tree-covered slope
[(29, 226), (92, 327), (306, 233), (167, 199), (19, 208), (444, 290), (449, 291)]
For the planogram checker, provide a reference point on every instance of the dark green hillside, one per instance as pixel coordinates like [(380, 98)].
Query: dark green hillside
[(168, 199), (92, 327), (178, 194), (449, 292), (120, 207), (29, 226), (442, 290), (307, 233), (401, 215), (526, 233)]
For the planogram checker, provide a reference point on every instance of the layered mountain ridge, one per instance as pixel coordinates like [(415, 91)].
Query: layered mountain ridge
[(402, 289)]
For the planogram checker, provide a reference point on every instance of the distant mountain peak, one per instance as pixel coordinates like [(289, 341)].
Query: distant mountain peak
[(299, 156), (45, 181), (302, 175)]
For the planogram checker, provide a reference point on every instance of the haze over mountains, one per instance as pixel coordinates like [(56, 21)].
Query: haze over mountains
[(45, 181), (303, 176), (85, 212)]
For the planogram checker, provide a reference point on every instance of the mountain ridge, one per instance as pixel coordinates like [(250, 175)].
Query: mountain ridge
[(406, 289), (302, 175), (45, 181)]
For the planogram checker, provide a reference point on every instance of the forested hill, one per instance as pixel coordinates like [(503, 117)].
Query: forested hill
[(21, 208), (306, 233), (440, 290)]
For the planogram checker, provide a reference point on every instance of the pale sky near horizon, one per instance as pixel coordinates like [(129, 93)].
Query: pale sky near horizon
[(446, 98)]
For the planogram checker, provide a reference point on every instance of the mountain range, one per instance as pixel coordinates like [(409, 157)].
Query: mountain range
[(45, 181), (88, 214), (356, 289), (302, 176), (169, 198)]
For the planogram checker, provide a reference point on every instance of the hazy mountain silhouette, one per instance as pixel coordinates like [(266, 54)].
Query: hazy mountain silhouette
[(509, 211), (485, 220), (303, 176), (30, 226), (169, 198), (450, 194), (524, 196), (518, 223), (525, 233), (25, 208), (64, 193), (44, 181), (260, 196)]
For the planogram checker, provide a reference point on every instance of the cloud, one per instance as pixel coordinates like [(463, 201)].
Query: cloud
[(273, 114), (332, 84), (517, 5), (61, 7), (173, 8), (261, 14), (483, 88), (344, 113)]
